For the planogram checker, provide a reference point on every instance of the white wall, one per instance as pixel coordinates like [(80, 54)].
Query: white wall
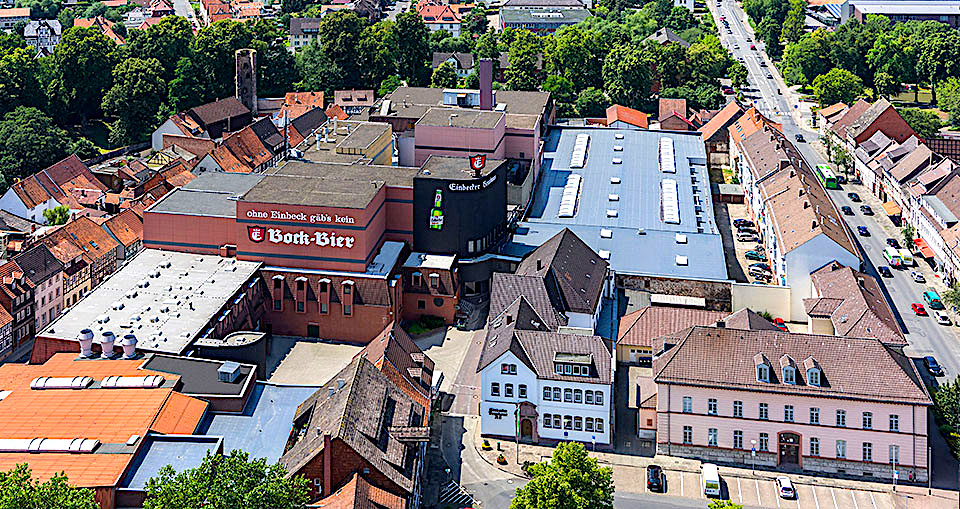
[(12, 204), (168, 127), (806, 258), (771, 298), (207, 164)]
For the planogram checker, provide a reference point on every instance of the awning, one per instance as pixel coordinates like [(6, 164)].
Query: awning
[(891, 208), (925, 249)]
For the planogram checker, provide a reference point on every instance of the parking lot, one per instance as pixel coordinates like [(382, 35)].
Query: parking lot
[(738, 266), (757, 493)]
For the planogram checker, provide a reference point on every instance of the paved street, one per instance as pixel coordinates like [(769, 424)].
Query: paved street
[(923, 334)]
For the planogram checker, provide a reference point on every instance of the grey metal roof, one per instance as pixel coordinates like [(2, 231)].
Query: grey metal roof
[(199, 376), (937, 205), (158, 451), (638, 205), (544, 15), (210, 194)]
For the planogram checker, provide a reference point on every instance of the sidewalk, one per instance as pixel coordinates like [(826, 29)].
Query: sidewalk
[(904, 496)]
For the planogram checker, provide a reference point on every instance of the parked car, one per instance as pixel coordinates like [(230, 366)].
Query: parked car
[(761, 266), (763, 63), (884, 271), (932, 298), (769, 76), (753, 255), (942, 318), (847, 211), (854, 197), (759, 274), (867, 211), (746, 237), (918, 277), (918, 309), (736, 46), (841, 179), (753, 47), (780, 324), (933, 367), (862, 231), (742, 223), (748, 39), (893, 243), (799, 138), (655, 478), (785, 487)]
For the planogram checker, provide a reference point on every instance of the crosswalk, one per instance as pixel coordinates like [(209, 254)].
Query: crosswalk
[(454, 495)]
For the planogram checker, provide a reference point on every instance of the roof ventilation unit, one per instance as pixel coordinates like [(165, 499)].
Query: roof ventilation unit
[(605, 233), (86, 343), (107, 340), (611, 213), (613, 197), (604, 254), (228, 372), (618, 148), (579, 156), (618, 136), (617, 160), (132, 382), (681, 260), (129, 345), (614, 180), (681, 238)]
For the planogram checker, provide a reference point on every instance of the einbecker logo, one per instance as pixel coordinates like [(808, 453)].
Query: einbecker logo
[(256, 233)]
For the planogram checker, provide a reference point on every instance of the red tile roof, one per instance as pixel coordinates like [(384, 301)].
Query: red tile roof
[(57, 182), (670, 107), (359, 494), (731, 110), (435, 13), (102, 24), (241, 152), (640, 327), (126, 226), (628, 115), (298, 103)]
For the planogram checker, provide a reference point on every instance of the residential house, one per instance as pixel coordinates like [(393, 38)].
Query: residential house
[(673, 115), (42, 34), (395, 354), (462, 62), (716, 135), (828, 115), (665, 37), (161, 8), (305, 125), (16, 298), (354, 102), (127, 229), (438, 16), (253, 149), (50, 188), (803, 402), (850, 304), (937, 212), (918, 162), (135, 17), (303, 31), (45, 273), (215, 10), (623, 117), (880, 116), (298, 103), (102, 24), (639, 328), (798, 224), (10, 17), (98, 247), (212, 121), (430, 287), (6, 333), (359, 422), (76, 269)]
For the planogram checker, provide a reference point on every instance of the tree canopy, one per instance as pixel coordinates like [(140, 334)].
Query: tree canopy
[(837, 85), (570, 480), (18, 490)]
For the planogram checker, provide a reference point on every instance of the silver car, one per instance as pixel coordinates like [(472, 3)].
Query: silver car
[(942, 318)]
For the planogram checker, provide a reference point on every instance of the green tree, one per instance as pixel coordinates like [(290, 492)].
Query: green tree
[(524, 72), (946, 404), (842, 158), (849, 45), (138, 89), (227, 481), (948, 98), (390, 84), (18, 490), (884, 84), (951, 297), (907, 234), (40, 9), (806, 59), (167, 41), (627, 77), (769, 32), (680, 19), (444, 76), (56, 216), (723, 504), (837, 85), (926, 123), (84, 61), (578, 56), (475, 22), (738, 75), (413, 50), (592, 102), (213, 51), (29, 142), (793, 24), (184, 91), (939, 59), (571, 479), (19, 85)]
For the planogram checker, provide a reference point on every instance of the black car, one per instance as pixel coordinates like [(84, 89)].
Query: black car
[(654, 478), (933, 367), (742, 223), (854, 197), (862, 230), (841, 179), (799, 138), (847, 211), (867, 211), (884, 271), (893, 243)]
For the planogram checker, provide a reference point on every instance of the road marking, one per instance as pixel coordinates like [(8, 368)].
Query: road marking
[(815, 501), (757, 484), (681, 484), (739, 491), (776, 495), (855, 505), (833, 493), (872, 501)]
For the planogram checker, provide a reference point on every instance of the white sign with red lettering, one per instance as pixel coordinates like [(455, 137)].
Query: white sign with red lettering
[(302, 238)]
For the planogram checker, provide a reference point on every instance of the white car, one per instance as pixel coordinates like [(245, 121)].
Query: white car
[(785, 487), (918, 277), (942, 318)]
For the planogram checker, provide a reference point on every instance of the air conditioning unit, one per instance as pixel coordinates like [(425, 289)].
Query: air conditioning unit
[(228, 372)]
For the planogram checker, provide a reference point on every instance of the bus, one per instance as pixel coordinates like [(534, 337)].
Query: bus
[(826, 176), (710, 477), (892, 255), (907, 257)]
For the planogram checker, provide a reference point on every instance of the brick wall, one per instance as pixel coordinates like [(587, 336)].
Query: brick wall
[(346, 462), (716, 293)]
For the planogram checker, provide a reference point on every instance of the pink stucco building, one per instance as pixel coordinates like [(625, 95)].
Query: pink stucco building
[(805, 402)]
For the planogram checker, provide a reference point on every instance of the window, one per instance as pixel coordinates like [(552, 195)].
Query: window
[(764, 444), (894, 422), (347, 289), (712, 406), (598, 425), (868, 420), (687, 404), (712, 437), (434, 280), (841, 418), (556, 394), (789, 375), (567, 422), (323, 287), (300, 305), (417, 279), (738, 439), (577, 396), (546, 421), (813, 377), (323, 308), (763, 373), (738, 408), (299, 285), (578, 423), (589, 397), (598, 398), (508, 369), (277, 304), (421, 304), (494, 389), (508, 390), (522, 390), (688, 434), (347, 309), (764, 412), (814, 446), (559, 369), (589, 424), (814, 415), (568, 395), (867, 451), (894, 454), (277, 282), (567, 369), (546, 394), (841, 449), (788, 413)]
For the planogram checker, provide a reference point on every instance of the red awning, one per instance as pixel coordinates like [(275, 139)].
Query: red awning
[(891, 208), (923, 247)]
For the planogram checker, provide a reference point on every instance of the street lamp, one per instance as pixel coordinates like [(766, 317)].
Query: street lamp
[(753, 456)]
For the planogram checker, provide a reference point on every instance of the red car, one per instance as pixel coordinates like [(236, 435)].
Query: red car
[(918, 309), (780, 325), (753, 46)]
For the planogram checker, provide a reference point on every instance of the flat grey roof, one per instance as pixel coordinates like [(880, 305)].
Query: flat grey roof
[(362, 134), (637, 203), (942, 210), (193, 289), (399, 176), (461, 117), (907, 7), (562, 16), (158, 451), (318, 191), (199, 376), (210, 194), (264, 426), (455, 168), (410, 102)]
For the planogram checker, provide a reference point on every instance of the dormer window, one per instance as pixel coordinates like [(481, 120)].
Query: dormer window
[(763, 373), (789, 375), (813, 377)]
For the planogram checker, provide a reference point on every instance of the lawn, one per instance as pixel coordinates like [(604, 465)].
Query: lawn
[(907, 97), (96, 131)]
